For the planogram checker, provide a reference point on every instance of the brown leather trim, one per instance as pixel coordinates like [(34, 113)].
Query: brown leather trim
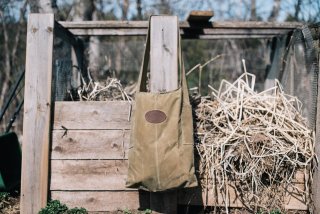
[(155, 116)]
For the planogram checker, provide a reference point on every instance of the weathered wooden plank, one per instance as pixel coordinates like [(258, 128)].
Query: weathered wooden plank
[(208, 30), (92, 115), (110, 175), (197, 196), (88, 174), (316, 176), (95, 201), (164, 77), (37, 111), (91, 174), (200, 16), (90, 144), (65, 34), (164, 49), (108, 32), (183, 24), (186, 33)]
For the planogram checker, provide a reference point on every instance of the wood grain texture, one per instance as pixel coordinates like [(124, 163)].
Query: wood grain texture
[(37, 111), (88, 174), (196, 196), (183, 24), (200, 16), (163, 53), (95, 201), (189, 33), (207, 30), (90, 144), (110, 175), (92, 115), (164, 77), (316, 176)]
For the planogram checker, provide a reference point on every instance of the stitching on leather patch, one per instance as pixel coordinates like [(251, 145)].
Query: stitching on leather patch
[(155, 116)]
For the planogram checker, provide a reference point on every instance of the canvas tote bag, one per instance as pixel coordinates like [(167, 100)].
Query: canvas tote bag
[(161, 152)]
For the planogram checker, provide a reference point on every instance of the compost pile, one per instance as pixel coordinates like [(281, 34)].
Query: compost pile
[(254, 143), (109, 90)]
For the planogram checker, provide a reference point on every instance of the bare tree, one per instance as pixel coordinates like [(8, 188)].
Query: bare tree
[(82, 10), (275, 10), (297, 8), (253, 11), (10, 63), (43, 6), (139, 10)]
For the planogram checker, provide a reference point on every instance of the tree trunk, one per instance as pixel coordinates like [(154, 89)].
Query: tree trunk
[(43, 6), (82, 10), (139, 9), (275, 10), (253, 11), (297, 10)]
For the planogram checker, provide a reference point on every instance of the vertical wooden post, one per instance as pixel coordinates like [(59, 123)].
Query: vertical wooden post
[(37, 110), (164, 53), (164, 77), (316, 177)]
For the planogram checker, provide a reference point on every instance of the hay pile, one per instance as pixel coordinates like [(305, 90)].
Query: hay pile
[(109, 90), (254, 143)]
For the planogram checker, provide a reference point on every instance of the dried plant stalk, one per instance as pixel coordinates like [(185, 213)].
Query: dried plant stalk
[(254, 142), (109, 90)]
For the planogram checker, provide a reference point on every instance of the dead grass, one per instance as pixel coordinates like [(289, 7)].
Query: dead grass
[(255, 143)]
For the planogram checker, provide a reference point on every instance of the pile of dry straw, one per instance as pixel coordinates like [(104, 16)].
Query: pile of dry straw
[(110, 90), (254, 143)]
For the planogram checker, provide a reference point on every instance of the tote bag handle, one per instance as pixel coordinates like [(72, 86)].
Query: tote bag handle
[(142, 80)]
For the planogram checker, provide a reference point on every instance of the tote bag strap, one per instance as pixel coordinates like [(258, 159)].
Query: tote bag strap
[(141, 86)]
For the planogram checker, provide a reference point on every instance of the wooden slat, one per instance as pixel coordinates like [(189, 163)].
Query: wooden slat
[(200, 16), (187, 34), (88, 174), (110, 175), (103, 201), (207, 30), (183, 24), (92, 144), (316, 176), (65, 34), (164, 77), (164, 49), (92, 115), (199, 197), (37, 111)]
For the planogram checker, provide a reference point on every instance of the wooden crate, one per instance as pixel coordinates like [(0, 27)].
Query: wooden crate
[(77, 151), (89, 161)]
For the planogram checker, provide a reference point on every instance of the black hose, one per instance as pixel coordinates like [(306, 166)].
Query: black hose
[(13, 118), (11, 96)]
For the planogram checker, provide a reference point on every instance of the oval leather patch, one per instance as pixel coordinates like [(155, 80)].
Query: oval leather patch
[(155, 116)]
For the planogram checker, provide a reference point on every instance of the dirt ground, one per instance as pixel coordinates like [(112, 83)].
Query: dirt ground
[(9, 204)]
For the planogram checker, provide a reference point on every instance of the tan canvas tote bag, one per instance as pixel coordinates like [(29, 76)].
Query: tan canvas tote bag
[(161, 153)]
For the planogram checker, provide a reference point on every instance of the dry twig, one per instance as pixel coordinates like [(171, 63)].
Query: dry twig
[(255, 143)]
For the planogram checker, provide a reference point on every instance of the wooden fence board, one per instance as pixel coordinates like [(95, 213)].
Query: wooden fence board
[(37, 112), (103, 200), (88, 174), (164, 77), (92, 115), (198, 197), (200, 16), (184, 24), (90, 144)]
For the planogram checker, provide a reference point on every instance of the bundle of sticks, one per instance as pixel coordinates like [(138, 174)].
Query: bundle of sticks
[(254, 142)]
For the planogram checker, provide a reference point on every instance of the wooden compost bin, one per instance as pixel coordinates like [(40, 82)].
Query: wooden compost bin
[(76, 152)]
